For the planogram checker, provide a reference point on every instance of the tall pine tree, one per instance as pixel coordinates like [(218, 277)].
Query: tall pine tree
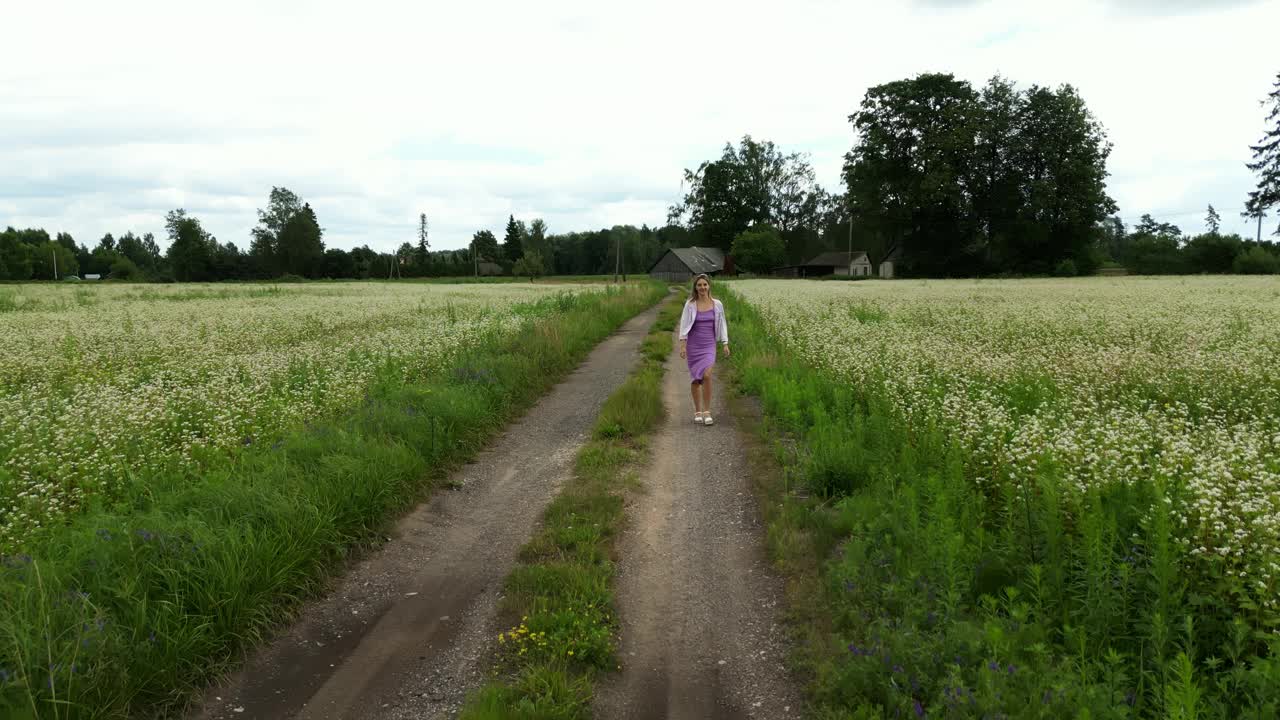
[(1266, 163), (1213, 220), (513, 241), (424, 247)]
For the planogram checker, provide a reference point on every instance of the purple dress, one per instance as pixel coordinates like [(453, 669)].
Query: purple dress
[(700, 346)]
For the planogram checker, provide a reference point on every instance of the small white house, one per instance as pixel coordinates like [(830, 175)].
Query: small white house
[(860, 265)]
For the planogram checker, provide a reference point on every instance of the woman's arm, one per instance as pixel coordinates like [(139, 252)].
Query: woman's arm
[(686, 321), (723, 327)]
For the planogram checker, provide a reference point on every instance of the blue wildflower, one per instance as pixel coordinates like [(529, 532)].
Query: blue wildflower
[(918, 708)]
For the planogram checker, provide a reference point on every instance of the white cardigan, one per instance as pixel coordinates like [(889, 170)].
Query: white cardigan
[(691, 313)]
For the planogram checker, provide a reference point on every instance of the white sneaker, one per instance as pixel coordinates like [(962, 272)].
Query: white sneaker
[(706, 419), (697, 418)]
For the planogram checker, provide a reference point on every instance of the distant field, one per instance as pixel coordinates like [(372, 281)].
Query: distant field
[(1099, 458), (99, 383)]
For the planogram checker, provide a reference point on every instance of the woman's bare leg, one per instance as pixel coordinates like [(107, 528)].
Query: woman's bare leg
[(693, 390), (706, 390)]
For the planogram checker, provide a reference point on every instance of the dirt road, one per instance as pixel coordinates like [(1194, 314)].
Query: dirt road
[(701, 610), (407, 631)]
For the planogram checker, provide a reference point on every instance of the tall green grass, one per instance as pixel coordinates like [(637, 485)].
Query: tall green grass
[(559, 598), (923, 593), (135, 605)]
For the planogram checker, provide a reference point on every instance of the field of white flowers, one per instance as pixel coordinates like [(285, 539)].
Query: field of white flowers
[(100, 383), (1099, 381)]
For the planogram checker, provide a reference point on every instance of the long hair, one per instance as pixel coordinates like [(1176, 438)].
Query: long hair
[(693, 291)]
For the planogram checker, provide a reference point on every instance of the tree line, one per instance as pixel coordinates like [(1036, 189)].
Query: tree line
[(956, 180), (962, 181), (288, 242)]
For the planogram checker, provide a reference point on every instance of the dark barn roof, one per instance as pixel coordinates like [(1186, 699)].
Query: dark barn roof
[(698, 260), (835, 259)]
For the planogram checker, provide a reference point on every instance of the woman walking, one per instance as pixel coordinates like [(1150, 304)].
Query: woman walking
[(701, 326)]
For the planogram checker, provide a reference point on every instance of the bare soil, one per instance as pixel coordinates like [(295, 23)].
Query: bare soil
[(700, 607), (409, 629)]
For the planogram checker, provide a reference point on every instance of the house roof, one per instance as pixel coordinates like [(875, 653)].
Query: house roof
[(836, 259), (699, 260)]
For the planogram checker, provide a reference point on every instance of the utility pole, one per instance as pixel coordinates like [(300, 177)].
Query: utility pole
[(1260, 214), (54, 253), (850, 240), (617, 258)]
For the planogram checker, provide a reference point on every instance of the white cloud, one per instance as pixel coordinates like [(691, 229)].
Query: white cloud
[(579, 112)]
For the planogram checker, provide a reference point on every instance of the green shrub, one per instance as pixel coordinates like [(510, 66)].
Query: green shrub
[(1256, 261)]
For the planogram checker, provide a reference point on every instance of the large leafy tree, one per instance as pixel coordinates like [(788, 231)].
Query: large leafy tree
[(485, 246), (913, 169), (15, 256), (190, 247), (300, 245), (1266, 162), (282, 205), (753, 183), (759, 249), (536, 241), (142, 251), (530, 265), (51, 260), (1061, 168), (966, 181), (1154, 248)]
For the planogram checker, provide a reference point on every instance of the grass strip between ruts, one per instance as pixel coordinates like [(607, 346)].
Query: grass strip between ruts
[(560, 596), (128, 611)]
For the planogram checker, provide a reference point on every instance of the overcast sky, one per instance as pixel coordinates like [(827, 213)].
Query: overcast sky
[(583, 113)]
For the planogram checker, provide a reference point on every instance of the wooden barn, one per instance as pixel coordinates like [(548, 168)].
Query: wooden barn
[(681, 264), (855, 263)]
